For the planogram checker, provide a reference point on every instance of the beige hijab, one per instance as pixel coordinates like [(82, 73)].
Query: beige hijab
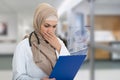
[(44, 54)]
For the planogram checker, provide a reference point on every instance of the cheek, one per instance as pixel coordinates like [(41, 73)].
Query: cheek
[(54, 30), (43, 29)]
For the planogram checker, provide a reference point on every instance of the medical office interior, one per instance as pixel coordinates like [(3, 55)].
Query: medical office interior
[(100, 17)]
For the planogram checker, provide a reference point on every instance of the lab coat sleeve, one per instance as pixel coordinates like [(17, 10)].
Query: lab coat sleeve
[(19, 64), (63, 50)]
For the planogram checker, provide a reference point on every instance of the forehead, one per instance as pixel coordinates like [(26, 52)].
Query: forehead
[(51, 22)]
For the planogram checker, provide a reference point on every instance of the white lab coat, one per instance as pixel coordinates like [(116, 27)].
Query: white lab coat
[(24, 67)]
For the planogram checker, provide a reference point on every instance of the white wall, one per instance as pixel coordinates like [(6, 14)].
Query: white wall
[(6, 46), (84, 8), (25, 24), (11, 20), (18, 26), (104, 9)]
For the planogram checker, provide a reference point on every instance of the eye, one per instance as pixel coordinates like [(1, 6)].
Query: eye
[(46, 26), (54, 26)]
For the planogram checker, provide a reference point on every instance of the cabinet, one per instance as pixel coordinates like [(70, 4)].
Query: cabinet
[(106, 23)]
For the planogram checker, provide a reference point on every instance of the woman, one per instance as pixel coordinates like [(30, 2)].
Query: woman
[(35, 56)]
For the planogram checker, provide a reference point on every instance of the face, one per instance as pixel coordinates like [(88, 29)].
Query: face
[(48, 26)]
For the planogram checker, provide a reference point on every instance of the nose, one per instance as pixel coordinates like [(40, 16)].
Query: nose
[(51, 29)]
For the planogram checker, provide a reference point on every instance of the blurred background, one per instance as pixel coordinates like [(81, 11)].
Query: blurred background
[(100, 17)]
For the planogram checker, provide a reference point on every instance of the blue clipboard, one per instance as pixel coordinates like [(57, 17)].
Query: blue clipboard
[(67, 67)]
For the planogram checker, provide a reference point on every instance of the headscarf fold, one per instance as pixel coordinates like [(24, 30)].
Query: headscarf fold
[(44, 54)]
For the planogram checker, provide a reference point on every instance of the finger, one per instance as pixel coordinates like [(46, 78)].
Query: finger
[(46, 35), (50, 40), (45, 78), (52, 79), (49, 35), (53, 36)]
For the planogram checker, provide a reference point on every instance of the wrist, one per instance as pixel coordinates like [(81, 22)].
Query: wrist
[(58, 48)]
